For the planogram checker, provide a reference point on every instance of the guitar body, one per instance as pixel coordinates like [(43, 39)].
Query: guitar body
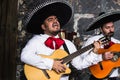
[(33, 73), (108, 65), (114, 48)]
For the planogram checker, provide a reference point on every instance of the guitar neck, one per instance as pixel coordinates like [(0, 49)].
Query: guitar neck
[(75, 54)]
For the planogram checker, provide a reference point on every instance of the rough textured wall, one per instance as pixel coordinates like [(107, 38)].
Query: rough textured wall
[(84, 12)]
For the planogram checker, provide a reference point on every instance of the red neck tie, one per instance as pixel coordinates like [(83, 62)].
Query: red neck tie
[(110, 44), (58, 42)]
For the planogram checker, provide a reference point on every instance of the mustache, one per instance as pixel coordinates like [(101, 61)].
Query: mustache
[(111, 34), (55, 24)]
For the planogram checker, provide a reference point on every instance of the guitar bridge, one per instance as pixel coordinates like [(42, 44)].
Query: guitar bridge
[(46, 74)]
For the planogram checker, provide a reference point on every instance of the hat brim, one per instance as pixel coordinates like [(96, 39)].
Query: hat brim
[(36, 17), (104, 18)]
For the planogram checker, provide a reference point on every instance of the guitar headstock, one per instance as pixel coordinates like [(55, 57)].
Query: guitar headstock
[(105, 40)]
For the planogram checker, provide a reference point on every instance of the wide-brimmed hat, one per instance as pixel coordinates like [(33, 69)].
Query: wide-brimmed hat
[(43, 9), (104, 18)]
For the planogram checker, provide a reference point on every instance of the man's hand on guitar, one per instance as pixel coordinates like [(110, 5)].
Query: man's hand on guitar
[(58, 66), (97, 45), (107, 55)]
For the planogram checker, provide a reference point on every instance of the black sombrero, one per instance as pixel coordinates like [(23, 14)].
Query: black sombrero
[(104, 18), (35, 17)]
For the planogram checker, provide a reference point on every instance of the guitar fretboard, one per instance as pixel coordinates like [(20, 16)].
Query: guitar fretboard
[(75, 54)]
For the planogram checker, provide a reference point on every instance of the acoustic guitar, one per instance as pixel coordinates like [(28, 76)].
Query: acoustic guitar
[(104, 68), (33, 73)]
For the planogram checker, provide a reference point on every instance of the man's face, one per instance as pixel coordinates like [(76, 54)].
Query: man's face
[(51, 25), (108, 28)]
